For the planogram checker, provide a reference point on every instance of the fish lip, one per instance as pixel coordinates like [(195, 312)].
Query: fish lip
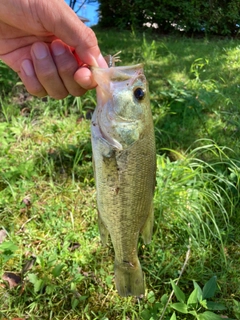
[(115, 74), (135, 66)]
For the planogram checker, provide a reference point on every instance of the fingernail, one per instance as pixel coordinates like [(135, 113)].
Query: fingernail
[(58, 48), (101, 62), (98, 62), (40, 51), (28, 68)]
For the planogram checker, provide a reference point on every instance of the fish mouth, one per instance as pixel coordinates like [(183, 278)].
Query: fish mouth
[(119, 73), (104, 76), (127, 68)]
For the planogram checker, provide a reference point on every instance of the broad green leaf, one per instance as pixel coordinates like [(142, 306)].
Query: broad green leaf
[(193, 298), (82, 298), (164, 299), (109, 281), (37, 283), (156, 307), (236, 308), (236, 303), (57, 270), (173, 317), (49, 289), (32, 277), (196, 286), (209, 288), (146, 314), (208, 315), (215, 306), (178, 292), (151, 297), (74, 303), (8, 246), (194, 313), (204, 303), (181, 307)]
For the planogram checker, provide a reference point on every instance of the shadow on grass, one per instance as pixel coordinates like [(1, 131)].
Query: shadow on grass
[(73, 161)]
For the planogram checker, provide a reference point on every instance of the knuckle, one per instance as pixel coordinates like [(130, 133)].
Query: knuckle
[(90, 37), (46, 74), (39, 94), (77, 92), (33, 86), (58, 95), (67, 69), (37, 91)]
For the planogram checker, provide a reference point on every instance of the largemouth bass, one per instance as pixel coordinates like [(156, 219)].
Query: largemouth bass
[(124, 165)]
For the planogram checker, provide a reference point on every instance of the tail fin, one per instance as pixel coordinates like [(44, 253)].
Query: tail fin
[(129, 278)]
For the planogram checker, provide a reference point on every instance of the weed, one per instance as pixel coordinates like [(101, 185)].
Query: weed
[(197, 301), (8, 79)]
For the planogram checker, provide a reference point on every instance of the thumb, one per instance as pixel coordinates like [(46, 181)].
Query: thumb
[(67, 26)]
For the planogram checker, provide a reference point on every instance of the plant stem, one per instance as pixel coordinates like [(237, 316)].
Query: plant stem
[(180, 275)]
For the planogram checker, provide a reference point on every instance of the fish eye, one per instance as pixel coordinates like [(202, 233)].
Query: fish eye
[(139, 93)]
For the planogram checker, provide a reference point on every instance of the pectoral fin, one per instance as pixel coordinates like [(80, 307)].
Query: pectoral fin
[(102, 230), (147, 229)]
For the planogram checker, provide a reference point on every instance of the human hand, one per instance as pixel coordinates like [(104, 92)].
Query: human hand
[(48, 46)]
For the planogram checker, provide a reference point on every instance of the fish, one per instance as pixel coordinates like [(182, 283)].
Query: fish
[(124, 162)]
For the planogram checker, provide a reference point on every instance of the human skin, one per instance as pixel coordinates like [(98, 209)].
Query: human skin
[(48, 46)]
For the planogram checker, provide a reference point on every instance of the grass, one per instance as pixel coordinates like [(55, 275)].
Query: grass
[(47, 193)]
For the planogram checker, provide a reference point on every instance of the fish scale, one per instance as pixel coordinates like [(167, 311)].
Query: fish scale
[(124, 166)]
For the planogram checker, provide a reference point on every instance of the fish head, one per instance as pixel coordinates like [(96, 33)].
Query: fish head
[(123, 104)]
